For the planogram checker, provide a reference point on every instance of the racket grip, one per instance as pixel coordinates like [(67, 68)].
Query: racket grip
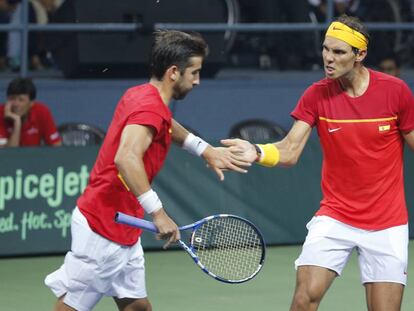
[(135, 222)]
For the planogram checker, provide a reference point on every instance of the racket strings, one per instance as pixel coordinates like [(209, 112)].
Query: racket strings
[(229, 248)]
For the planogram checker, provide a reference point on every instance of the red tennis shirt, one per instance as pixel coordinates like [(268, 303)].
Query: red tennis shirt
[(105, 193), (38, 126), (362, 171)]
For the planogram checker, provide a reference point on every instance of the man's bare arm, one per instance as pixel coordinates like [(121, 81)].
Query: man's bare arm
[(14, 139), (409, 139), (217, 158), (290, 148), (129, 160)]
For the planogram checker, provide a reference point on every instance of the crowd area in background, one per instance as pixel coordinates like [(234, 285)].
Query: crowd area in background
[(39, 54), (302, 50), (266, 50)]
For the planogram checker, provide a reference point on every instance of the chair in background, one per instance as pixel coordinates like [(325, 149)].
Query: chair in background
[(80, 134), (257, 130)]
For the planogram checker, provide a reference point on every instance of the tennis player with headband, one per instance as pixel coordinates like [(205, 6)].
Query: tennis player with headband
[(363, 118), (106, 258)]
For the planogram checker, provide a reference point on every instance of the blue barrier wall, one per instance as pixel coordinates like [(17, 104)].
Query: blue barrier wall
[(36, 201), (210, 109)]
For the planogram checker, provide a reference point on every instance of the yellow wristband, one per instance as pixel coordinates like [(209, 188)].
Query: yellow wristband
[(269, 155)]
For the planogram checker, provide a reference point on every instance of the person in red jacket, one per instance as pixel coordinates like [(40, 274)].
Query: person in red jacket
[(24, 121), (363, 118), (106, 258)]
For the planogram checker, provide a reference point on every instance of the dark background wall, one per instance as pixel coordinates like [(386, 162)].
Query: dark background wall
[(210, 109)]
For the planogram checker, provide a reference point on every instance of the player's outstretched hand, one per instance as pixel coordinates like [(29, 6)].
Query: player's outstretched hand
[(242, 149), (167, 228), (220, 159)]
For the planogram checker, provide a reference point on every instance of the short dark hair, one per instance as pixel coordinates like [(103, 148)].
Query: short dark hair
[(392, 56), (356, 24), (22, 86), (172, 47)]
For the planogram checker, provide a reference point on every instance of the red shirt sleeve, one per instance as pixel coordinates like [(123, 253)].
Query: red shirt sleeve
[(406, 114), (4, 136), (306, 109), (147, 118), (49, 131)]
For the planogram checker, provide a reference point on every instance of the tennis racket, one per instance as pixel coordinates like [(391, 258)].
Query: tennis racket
[(226, 247)]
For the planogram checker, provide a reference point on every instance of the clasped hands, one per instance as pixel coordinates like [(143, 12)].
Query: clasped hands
[(238, 156)]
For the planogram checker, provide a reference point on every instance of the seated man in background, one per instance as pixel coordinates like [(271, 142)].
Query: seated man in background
[(23, 121), (390, 64)]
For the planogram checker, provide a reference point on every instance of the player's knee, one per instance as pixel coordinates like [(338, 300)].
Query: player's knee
[(140, 306), (128, 304), (304, 299)]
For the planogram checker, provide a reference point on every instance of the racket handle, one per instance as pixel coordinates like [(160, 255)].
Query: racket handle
[(135, 222)]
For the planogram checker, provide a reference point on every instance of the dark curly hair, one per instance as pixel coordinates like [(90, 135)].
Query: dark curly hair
[(172, 47), (22, 86)]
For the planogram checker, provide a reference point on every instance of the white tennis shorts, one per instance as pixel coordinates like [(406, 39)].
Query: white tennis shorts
[(96, 267), (382, 254)]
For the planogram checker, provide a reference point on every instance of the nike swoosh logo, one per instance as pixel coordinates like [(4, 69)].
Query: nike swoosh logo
[(333, 130)]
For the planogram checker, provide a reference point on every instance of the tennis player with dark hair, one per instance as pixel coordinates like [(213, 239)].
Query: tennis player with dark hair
[(363, 118), (106, 258)]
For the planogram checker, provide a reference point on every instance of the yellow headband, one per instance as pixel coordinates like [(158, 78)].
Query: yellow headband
[(348, 35)]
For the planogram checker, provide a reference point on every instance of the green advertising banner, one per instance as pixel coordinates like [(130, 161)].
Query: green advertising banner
[(39, 188)]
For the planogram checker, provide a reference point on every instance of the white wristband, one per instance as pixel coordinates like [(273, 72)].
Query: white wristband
[(150, 201), (194, 144)]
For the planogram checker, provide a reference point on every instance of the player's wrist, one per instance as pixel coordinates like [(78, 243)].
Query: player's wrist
[(267, 155), (259, 152), (158, 213), (17, 121), (150, 202), (194, 144)]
